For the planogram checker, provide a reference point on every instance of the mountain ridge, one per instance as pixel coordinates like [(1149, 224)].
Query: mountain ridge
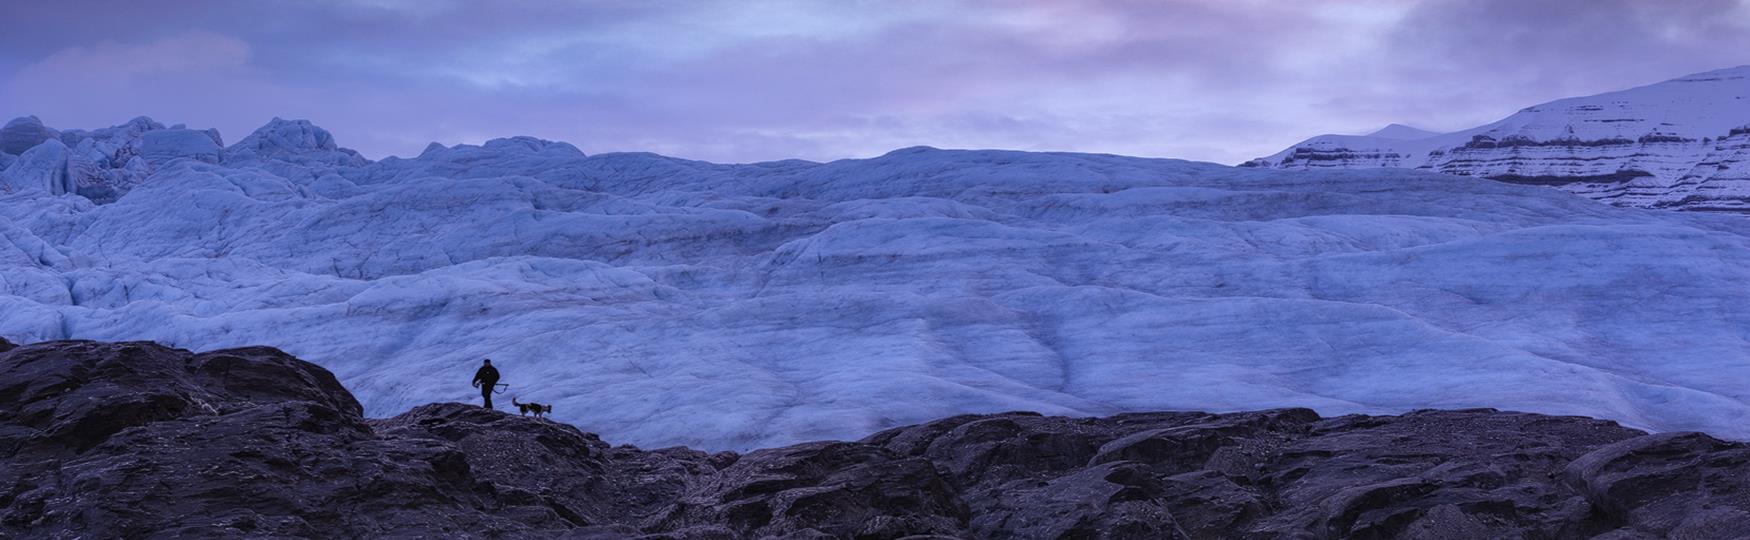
[(1676, 144)]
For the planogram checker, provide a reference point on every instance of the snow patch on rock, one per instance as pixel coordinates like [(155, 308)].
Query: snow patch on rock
[(1666, 145)]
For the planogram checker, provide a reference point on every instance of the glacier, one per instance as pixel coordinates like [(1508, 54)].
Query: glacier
[(1681, 144), (660, 301)]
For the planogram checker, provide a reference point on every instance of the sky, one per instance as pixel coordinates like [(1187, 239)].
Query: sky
[(753, 80)]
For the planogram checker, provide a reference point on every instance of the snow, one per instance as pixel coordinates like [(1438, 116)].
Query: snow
[(662, 301), (1656, 146), (1401, 132)]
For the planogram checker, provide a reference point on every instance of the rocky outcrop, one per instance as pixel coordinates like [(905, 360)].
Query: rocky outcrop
[(1677, 144), (138, 440)]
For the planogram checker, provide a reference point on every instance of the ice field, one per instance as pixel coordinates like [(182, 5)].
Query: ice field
[(661, 301)]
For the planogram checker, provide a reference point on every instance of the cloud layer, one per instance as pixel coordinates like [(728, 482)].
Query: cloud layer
[(744, 81)]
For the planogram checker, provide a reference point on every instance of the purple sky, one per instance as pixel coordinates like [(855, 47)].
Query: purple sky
[(1217, 80)]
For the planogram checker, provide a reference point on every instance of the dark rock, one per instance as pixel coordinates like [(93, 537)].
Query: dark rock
[(139, 440), (1687, 485), (834, 488)]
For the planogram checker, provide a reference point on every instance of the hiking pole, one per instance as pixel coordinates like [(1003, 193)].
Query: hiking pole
[(500, 388)]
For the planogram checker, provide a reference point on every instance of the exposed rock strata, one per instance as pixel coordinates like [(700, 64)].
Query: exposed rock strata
[(1677, 144)]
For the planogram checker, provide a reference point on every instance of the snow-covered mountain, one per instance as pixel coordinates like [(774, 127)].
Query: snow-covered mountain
[(1681, 144), (663, 301)]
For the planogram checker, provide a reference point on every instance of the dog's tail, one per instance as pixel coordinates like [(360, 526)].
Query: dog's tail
[(513, 402)]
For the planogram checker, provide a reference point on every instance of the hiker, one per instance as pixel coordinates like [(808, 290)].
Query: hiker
[(485, 379)]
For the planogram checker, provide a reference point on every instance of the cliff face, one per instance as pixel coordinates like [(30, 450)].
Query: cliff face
[(136, 440), (1676, 144)]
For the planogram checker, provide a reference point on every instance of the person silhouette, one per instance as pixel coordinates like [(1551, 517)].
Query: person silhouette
[(485, 379)]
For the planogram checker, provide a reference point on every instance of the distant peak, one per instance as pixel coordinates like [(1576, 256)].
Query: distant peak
[(290, 134), (24, 132), (25, 121), (294, 141), (1401, 132), (143, 122), (530, 144), (912, 150), (1730, 73), (277, 124)]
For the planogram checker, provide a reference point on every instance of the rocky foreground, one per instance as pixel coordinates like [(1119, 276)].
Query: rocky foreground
[(136, 440)]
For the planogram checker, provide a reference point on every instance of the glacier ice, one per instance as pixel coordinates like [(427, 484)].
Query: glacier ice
[(23, 133), (162, 146), (662, 301), (41, 168)]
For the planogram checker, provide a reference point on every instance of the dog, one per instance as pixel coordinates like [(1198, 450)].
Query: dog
[(527, 408)]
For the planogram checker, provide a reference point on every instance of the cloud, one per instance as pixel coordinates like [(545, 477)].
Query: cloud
[(738, 81), (185, 54), (1455, 59)]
